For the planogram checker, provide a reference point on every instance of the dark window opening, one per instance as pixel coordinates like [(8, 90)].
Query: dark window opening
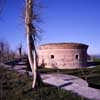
[(52, 56), (77, 57)]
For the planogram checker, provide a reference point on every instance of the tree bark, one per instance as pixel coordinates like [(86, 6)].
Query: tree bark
[(31, 32), (28, 22)]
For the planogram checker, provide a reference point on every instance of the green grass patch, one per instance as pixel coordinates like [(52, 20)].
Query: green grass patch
[(14, 86)]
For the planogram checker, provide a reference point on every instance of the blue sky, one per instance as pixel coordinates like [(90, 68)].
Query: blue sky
[(63, 21)]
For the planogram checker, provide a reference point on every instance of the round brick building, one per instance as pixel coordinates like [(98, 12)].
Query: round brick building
[(63, 55)]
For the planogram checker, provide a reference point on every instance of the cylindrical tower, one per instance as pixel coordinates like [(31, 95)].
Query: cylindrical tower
[(63, 55)]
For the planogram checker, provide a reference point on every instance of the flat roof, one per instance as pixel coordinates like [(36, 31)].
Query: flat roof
[(63, 46)]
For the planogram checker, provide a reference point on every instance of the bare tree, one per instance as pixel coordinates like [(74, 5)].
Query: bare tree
[(20, 50), (30, 18), (6, 53)]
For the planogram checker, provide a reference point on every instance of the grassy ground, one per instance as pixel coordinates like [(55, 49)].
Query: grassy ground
[(14, 86)]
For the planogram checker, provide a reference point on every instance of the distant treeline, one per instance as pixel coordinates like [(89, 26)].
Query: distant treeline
[(6, 54)]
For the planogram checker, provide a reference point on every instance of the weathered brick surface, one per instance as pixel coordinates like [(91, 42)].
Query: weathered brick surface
[(63, 55)]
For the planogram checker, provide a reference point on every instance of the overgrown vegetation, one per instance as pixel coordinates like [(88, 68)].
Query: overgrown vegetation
[(14, 86)]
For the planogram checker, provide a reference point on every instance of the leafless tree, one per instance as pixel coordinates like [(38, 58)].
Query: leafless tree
[(31, 30), (5, 51), (20, 50)]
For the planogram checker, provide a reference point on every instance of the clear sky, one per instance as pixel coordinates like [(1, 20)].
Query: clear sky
[(63, 21)]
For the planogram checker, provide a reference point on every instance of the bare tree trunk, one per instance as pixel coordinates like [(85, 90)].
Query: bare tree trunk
[(31, 60), (35, 70), (28, 22), (31, 34)]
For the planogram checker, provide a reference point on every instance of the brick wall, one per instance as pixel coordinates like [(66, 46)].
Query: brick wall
[(62, 58)]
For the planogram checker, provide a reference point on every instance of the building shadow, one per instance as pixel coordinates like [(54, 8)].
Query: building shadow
[(65, 84), (93, 63), (70, 79)]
